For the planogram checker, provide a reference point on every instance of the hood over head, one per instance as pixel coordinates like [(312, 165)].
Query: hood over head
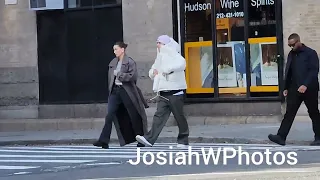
[(169, 43)]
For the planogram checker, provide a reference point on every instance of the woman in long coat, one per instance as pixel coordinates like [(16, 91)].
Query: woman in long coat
[(126, 105)]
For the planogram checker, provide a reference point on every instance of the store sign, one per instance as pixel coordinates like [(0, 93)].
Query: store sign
[(258, 3), (196, 7), (226, 4), (230, 15), (229, 4), (233, 5)]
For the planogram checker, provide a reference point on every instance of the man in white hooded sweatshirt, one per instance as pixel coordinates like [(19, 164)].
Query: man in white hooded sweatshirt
[(169, 83)]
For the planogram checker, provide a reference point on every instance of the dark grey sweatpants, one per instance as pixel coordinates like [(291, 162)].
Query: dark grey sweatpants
[(160, 118)]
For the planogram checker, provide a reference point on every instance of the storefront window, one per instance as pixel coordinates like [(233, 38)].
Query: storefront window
[(263, 46), (231, 60), (230, 49), (198, 46), (90, 3), (104, 2)]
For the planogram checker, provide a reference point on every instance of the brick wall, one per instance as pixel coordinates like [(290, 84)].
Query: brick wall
[(302, 17), (143, 22), (18, 55)]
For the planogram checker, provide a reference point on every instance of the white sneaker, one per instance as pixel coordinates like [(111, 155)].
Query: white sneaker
[(143, 140), (182, 146)]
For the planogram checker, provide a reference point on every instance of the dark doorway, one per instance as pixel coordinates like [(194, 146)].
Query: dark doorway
[(75, 48)]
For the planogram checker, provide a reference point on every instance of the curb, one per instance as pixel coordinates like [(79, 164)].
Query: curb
[(11, 125), (160, 140)]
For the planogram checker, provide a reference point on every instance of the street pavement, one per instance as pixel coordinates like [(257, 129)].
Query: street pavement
[(300, 133), (79, 162)]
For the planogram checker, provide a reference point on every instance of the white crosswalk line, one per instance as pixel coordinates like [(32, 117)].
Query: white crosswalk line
[(65, 156), (17, 167), (110, 151), (21, 173), (29, 158), (46, 161)]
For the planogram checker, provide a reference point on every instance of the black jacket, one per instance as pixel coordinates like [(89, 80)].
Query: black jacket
[(307, 62)]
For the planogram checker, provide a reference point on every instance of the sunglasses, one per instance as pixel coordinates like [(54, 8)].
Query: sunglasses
[(292, 45)]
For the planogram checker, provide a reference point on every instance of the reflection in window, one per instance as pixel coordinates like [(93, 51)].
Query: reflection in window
[(73, 3), (206, 66), (262, 20), (230, 57), (198, 42), (90, 3), (263, 47), (198, 20), (104, 2)]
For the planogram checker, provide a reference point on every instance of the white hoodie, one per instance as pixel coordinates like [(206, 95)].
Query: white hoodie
[(169, 60)]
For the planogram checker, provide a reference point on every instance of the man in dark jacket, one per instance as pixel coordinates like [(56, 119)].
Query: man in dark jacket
[(301, 85)]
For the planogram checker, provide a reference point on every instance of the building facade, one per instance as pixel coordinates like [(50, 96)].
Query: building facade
[(235, 51)]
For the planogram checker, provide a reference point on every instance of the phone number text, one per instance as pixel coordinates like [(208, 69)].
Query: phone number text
[(230, 15)]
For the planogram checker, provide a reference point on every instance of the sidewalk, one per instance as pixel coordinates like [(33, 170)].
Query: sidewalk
[(301, 133)]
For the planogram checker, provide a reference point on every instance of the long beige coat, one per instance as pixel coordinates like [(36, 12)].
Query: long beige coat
[(128, 75)]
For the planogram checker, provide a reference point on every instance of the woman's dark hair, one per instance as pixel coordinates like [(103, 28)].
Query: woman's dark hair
[(121, 44)]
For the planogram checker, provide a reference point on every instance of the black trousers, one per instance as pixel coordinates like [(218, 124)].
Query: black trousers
[(294, 100), (117, 98)]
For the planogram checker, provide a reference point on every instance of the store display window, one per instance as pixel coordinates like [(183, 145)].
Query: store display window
[(215, 46)]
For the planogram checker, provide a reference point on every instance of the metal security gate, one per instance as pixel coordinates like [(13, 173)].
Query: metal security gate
[(75, 48)]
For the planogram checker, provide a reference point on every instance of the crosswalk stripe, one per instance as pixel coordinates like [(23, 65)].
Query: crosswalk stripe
[(22, 158), (60, 149), (65, 156), (133, 150), (100, 150), (116, 149), (108, 163), (111, 148), (96, 152), (46, 161), (199, 145), (174, 144), (17, 167), (21, 173)]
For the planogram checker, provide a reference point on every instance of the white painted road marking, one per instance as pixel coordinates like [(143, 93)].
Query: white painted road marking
[(66, 156), (109, 151), (27, 157), (20, 173), (108, 163), (46, 161), (18, 167)]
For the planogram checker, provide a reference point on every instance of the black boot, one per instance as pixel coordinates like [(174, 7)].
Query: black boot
[(101, 144), (277, 139), (316, 142)]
